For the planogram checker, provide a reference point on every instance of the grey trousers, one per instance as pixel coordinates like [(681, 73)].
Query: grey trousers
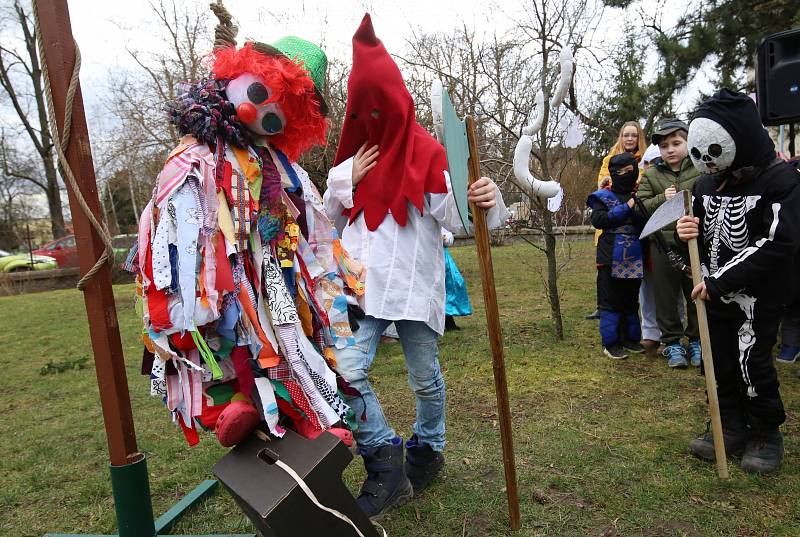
[(669, 285)]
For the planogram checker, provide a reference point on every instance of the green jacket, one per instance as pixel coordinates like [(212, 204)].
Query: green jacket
[(656, 180)]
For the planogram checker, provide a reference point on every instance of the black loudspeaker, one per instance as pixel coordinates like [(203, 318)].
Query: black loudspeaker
[(275, 501), (778, 78)]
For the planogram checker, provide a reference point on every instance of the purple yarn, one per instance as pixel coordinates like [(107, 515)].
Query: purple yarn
[(203, 111)]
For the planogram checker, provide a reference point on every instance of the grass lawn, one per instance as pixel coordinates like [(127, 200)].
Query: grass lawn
[(600, 444)]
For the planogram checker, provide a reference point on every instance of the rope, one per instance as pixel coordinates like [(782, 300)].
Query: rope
[(61, 142), (225, 31)]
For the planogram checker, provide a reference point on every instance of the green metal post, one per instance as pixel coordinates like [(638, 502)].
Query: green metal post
[(131, 489)]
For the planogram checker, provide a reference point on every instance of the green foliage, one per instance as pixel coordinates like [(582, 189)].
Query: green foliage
[(720, 34), (626, 97), (52, 367)]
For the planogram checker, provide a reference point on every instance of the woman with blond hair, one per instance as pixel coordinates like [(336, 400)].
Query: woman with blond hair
[(631, 140)]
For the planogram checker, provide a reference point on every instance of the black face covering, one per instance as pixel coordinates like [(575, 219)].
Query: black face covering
[(738, 115), (622, 182)]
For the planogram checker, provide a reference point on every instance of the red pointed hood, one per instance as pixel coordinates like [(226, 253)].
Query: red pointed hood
[(380, 111)]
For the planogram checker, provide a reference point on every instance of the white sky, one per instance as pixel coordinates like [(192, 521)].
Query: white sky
[(105, 28), (95, 25)]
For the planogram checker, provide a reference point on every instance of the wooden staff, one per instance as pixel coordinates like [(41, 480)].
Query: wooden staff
[(705, 342), (495, 335)]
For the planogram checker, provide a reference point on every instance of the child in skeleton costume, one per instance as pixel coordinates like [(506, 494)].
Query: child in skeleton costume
[(620, 263), (241, 276), (747, 218), (391, 208)]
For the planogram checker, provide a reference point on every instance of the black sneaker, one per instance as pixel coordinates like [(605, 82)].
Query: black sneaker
[(764, 453), (615, 351), (702, 447), (422, 463), (386, 485), (633, 346)]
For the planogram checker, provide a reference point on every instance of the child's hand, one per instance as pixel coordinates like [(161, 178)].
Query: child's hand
[(670, 192), (482, 193), (688, 228), (700, 291), (363, 162), (631, 203)]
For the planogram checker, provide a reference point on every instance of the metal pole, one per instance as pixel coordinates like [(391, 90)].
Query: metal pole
[(780, 138), (28, 237)]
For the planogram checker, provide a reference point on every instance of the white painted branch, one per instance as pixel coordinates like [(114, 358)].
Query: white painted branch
[(567, 65), (535, 187)]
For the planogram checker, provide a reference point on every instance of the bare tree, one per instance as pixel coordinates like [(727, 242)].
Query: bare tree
[(129, 163), (21, 80), (495, 79)]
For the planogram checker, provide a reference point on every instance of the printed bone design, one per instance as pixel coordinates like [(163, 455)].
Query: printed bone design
[(724, 224), (747, 335)]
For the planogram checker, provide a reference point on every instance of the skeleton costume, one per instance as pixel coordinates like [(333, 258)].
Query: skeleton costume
[(748, 205)]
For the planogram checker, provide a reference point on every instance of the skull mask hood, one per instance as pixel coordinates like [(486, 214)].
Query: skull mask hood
[(726, 134), (380, 111)]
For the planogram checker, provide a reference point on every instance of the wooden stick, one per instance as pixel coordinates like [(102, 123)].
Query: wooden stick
[(708, 362), (98, 296), (495, 335)]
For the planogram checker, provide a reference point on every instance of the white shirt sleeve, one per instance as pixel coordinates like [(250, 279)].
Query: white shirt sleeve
[(444, 209), (339, 194)]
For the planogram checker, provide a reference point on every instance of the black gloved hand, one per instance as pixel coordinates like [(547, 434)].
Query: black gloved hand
[(354, 314)]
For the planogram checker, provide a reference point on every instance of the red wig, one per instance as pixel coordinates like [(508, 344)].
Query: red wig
[(292, 89)]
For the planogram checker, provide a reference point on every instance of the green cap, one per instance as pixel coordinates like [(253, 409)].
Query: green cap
[(304, 53)]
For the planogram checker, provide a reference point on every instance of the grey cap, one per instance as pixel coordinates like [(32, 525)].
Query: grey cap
[(667, 126)]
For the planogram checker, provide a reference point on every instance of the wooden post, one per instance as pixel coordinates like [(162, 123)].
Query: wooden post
[(708, 362), (59, 52), (495, 335)]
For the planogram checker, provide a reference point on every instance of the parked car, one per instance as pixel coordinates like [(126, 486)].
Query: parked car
[(122, 245), (22, 262), (63, 250)]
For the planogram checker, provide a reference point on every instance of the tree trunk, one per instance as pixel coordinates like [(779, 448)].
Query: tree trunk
[(54, 200), (552, 278), (547, 218)]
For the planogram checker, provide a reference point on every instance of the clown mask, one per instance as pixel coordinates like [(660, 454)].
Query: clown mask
[(251, 98), (711, 147)]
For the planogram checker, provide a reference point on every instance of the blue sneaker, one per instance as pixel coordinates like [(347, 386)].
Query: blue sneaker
[(788, 354), (695, 353), (676, 356)]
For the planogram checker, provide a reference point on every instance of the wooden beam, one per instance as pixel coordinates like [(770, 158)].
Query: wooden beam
[(59, 54)]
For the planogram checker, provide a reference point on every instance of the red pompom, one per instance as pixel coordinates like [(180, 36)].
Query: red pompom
[(246, 112)]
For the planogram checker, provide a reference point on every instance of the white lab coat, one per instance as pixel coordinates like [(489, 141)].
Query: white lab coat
[(404, 264)]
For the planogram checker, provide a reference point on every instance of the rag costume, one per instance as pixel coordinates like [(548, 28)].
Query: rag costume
[(391, 223), (620, 263), (748, 203), (243, 281)]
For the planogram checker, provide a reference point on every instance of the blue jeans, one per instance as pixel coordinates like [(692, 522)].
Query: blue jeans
[(424, 377)]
